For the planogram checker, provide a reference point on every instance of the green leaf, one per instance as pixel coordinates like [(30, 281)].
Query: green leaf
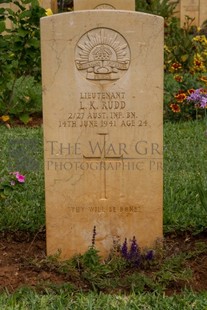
[(2, 26), (25, 118), (25, 14), (184, 57), (5, 1)]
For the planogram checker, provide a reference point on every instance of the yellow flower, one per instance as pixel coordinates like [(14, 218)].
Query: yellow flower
[(201, 38), (166, 48), (5, 118), (203, 79), (175, 67), (198, 63), (26, 98), (49, 12), (178, 78)]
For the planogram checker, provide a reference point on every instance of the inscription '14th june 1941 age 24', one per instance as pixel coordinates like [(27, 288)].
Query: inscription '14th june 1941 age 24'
[(103, 123), (102, 119)]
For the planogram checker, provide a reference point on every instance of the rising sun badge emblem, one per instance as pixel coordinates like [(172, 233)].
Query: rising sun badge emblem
[(102, 54)]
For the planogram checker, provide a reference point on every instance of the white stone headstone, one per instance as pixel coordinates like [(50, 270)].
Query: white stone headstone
[(102, 108), (104, 5)]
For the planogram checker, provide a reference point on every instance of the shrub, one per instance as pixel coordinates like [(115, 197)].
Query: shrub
[(164, 8), (20, 51)]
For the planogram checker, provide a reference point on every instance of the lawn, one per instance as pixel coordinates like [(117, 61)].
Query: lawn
[(22, 212)]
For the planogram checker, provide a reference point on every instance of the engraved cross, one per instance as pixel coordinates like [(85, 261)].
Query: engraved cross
[(103, 159)]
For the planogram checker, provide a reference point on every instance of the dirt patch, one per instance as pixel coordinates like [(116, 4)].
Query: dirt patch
[(23, 262), (36, 120)]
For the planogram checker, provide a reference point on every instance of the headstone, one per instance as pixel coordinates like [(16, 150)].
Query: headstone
[(102, 108), (104, 5), (203, 12), (196, 9), (189, 8), (49, 4)]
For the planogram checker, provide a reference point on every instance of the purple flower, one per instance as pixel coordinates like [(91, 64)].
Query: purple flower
[(199, 96), (124, 249), (94, 236), (149, 255), (203, 103), (134, 248), (134, 254)]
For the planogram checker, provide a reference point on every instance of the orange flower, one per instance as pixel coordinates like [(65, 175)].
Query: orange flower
[(198, 63), (176, 66), (175, 107), (191, 91), (180, 97), (178, 78), (203, 91), (203, 78)]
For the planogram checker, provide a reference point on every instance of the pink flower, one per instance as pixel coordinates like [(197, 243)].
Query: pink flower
[(20, 178)]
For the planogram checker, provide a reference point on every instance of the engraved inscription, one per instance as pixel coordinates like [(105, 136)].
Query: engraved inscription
[(104, 7), (103, 109), (102, 54)]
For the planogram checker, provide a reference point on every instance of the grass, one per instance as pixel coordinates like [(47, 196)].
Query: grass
[(27, 299), (185, 164), (21, 149)]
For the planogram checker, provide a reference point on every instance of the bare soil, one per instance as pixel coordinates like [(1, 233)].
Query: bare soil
[(22, 256)]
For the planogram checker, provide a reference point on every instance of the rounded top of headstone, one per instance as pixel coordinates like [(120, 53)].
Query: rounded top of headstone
[(104, 7)]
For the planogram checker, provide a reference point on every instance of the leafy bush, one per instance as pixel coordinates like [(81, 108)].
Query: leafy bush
[(20, 52), (26, 98), (164, 8)]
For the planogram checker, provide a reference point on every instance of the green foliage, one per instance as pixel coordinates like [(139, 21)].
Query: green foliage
[(173, 270), (26, 97), (175, 51), (22, 40), (202, 191), (164, 8), (20, 52)]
